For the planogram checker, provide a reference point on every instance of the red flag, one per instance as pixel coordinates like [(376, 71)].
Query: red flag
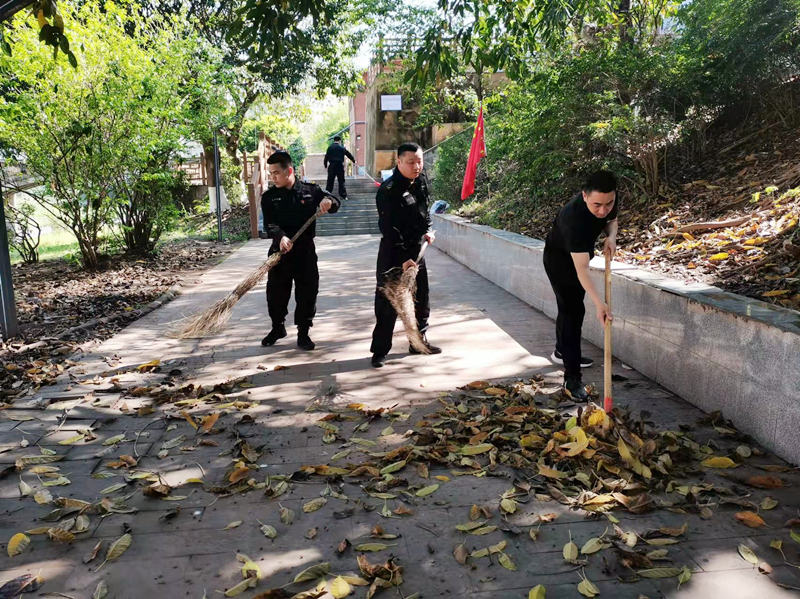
[(476, 151)]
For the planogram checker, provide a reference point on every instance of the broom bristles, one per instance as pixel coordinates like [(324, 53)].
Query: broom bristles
[(213, 319), (400, 293)]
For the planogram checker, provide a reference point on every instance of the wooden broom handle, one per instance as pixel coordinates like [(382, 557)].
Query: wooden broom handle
[(608, 401), (307, 224)]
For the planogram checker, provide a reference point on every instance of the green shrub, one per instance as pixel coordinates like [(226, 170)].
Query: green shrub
[(151, 210), (297, 150)]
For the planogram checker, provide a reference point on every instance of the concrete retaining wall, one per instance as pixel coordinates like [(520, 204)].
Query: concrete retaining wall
[(717, 350)]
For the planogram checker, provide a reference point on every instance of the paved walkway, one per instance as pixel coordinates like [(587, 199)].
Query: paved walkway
[(180, 549)]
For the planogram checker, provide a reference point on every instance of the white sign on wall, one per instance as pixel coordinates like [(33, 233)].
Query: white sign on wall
[(391, 102)]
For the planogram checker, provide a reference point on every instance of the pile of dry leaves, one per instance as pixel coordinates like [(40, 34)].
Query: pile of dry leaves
[(594, 463), (730, 220), (60, 306)]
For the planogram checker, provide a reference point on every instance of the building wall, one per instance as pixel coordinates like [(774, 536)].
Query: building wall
[(358, 128), (383, 131)]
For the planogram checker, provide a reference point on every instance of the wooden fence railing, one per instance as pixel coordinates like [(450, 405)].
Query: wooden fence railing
[(254, 174)]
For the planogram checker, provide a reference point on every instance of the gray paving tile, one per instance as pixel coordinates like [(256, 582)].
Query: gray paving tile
[(190, 553)]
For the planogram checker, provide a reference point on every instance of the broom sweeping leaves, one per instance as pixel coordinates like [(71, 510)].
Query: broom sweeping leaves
[(400, 292), (213, 319)]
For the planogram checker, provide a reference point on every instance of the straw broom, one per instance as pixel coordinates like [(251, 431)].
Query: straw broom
[(400, 292), (213, 319)]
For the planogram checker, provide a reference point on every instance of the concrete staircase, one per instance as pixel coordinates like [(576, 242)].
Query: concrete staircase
[(358, 214)]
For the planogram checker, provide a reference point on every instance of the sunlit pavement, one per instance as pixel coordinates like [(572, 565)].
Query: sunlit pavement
[(485, 333)]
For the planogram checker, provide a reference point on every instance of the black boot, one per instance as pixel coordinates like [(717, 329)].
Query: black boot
[(303, 340), (278, 332), (432, 349), (377, 360), (573, 388)]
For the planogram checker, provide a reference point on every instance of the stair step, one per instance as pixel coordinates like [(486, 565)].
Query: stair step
[(345, 225), (349, 232), (358, 231), (355, 212), (343, 216)]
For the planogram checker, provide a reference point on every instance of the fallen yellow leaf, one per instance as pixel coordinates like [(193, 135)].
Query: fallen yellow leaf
[(719, 462)]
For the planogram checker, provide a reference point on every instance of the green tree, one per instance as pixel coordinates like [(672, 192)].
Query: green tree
[(334, 118), (297, 150), (280, 119), (101, 137), (272, 49), (731, 48), (51, 29), (24, 233)]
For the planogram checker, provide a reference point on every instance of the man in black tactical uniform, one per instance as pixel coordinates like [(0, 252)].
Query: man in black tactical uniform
[(286, 206), (568, 249), (334, 162), (405, 223)]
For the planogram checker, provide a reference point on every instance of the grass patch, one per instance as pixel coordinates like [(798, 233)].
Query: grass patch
[(58, 244)]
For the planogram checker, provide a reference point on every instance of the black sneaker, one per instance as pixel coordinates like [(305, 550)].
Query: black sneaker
[(278, 332), (432, 349), (557, 359), (575, 390), (378, 361), (304, 341)]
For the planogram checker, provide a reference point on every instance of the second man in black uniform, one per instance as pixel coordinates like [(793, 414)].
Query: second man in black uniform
[(334, 162), (405, 223), (286, 206)]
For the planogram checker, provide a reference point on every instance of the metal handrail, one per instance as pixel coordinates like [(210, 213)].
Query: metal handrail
[(447, 139)]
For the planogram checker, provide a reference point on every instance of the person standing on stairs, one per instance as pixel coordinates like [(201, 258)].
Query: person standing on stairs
[(404, 221), (568, 249), (286, 205), (334, 162)]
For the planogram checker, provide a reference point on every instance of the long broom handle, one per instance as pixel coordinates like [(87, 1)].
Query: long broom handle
[(608, 401), (424, 247), (307, 224)]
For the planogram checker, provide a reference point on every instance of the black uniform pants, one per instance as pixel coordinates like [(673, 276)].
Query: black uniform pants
[(563, 277), (336, 171), (299, 266), (384, 312)]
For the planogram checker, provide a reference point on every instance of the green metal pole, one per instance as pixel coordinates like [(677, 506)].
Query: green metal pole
[(8, 311)]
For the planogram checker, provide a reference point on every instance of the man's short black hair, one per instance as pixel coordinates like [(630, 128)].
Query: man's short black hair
[(408, 146), (602, 181), (337, 138), (280, 157)]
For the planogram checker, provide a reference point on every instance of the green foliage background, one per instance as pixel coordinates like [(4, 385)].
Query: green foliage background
[(637, 97)]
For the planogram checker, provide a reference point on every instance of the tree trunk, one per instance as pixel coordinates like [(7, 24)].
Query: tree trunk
[(88, 253), (208, 154), (232, 144), (624, 11)]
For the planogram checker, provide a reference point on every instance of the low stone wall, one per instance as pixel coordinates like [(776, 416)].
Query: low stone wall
[(717, 350)]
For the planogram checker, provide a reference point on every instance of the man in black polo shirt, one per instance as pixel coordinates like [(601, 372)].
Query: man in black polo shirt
[(286, 206), (567, 251), (334, 162)]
